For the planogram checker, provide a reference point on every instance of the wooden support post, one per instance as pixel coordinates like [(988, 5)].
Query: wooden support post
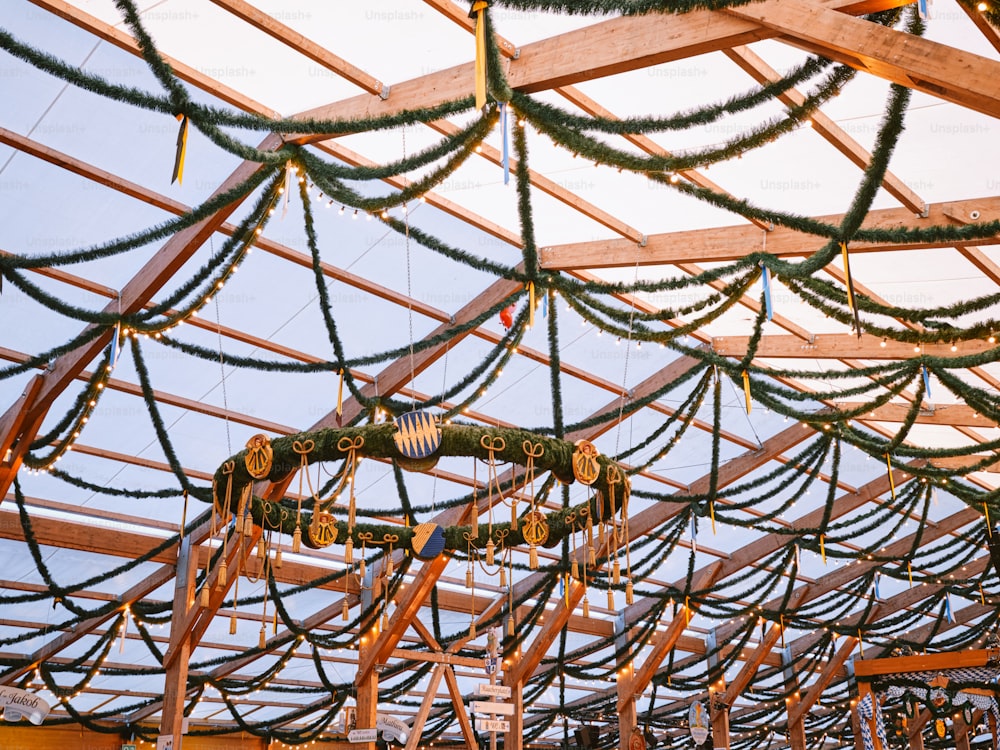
[(175, 686), (626, 686), (856, 726), (514, 739), (718, 709), (417, 725), (915, 729), (961, 731), (796, 725), (864, 688), (12, 445), (366, 686), (458, 701)]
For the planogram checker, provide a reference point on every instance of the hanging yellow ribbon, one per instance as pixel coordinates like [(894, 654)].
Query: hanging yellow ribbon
[(909, 572), (982, 596), (892, 482), (861, 642), (746, 390), (849, 284), (847, 276), (531, 304), (781, 628), (822, 547), (340, 398), (687, 610), (986, 512), (182, 140), (479, 12), (711, 514)]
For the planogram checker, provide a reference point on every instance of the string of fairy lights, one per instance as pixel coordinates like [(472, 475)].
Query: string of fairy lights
[(949, 565)]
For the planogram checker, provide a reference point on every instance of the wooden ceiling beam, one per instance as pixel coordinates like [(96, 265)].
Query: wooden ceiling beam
[(843, 345), (944, 414), (606, 48), (951, 74), (991, 32), (721, 244)]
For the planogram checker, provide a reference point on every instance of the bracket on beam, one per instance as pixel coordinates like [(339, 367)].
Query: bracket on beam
[(384, 91)]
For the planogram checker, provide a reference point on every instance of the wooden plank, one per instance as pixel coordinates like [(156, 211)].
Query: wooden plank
[(982, 23), (951, 74), (841, 345), (602, 49), (458, 702), (922, 662), (839, 138), (176, 677), (11, 425), (943, 414), (430, 694), (719, 244)]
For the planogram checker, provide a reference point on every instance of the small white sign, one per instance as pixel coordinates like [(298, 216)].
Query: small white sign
[(165, 742), (497, 691), (487, 707), (698, 722), (492, 725), (362, 735), (392, 728), (17, 703)]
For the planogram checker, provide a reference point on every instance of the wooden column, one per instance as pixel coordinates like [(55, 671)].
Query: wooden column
[(366, 686), (718, 711), (856, 726), (796, 723), (175, 686), (961, 730), (864, 689), (626, 685)]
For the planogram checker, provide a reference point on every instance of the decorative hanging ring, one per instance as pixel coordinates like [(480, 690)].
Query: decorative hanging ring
[(423, 540)]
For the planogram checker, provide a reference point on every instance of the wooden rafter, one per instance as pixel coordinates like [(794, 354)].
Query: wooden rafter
[(730, 243), (840, 345), (921, 64)]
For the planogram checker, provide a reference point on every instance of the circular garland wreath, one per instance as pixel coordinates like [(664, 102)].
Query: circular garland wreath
[(276, 460)]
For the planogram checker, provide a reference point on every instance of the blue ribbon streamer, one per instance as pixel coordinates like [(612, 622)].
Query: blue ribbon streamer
[(115, 350), (927, 381), (947, 607), (505, 130), (766, 278), (694, 535), (878, 595)]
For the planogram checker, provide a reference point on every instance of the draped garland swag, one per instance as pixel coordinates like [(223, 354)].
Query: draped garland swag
[(760, 594)]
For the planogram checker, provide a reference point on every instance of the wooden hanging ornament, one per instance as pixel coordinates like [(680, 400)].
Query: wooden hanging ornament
[(259, 456), (585, 466), (417, 439)]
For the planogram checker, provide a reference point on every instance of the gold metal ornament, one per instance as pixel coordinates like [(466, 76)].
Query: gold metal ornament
[(585, 466), (535, 527), (322, 529), (259, 456)]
